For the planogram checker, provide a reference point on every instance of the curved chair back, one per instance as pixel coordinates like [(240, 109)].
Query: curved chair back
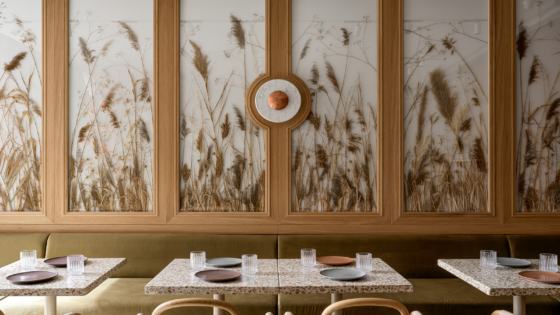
[(196, 302), (366, 302)]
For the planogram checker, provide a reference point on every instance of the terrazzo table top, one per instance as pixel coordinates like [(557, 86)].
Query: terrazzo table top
[(178, 278), (296, 279), (96, 271), (502, 281)]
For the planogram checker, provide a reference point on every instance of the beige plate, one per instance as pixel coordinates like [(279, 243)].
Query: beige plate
[(540, 276), (334, 260)]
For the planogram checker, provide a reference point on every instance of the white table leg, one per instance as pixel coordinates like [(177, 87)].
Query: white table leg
[(50, 305), (219, 297), (519, 305), (335, 297)]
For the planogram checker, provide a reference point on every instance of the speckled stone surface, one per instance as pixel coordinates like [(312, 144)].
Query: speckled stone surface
[(96, 271), (296, 279), (502, 281), (278, 116), (178, 278)]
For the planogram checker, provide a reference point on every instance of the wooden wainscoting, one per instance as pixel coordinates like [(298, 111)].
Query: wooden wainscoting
[(278, 217)]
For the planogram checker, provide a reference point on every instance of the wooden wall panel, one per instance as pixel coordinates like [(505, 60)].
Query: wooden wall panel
[(49, 40), (278, 218), (57, 195), (506, 136)]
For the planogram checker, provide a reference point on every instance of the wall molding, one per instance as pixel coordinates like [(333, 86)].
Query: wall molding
[(278, 217)]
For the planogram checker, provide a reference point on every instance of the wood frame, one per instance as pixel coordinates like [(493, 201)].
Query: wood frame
[(49, 36), (57, 193), (206, 218), (278, 218), (280, 155), (512, 216), (498, 107)]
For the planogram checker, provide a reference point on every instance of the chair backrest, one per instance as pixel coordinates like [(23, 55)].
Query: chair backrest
[(196, 302), (366, 302)]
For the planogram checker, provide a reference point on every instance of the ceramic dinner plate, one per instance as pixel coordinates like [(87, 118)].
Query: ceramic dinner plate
[(222, 262), (334, 260), (31, 277), (58, 261), (513, 262), (343, 274), (541, 276), (218, 275)]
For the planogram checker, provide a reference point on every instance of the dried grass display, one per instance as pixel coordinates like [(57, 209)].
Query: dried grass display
[(111, 162), (20, 125), (538, 103), (446, 167), (334, 166), (222, 150)]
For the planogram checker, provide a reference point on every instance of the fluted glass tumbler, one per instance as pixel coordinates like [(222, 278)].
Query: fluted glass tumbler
[(27, 259), (488, 259), (250, 264), (75, 265), (308, 257), (548, 262), (364, 262), (198, 260)]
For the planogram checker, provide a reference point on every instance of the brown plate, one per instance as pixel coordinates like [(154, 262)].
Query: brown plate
[(218, 275), (540, 276), (58, 261), (334, 260), (31, 277)]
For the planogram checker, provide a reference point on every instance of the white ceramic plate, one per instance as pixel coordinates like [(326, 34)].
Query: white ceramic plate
[(222, 262), (513, 262), (343, 274)]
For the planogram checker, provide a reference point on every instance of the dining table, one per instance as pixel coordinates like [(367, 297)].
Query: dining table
[(502, 281), (297, 279), (178, 278), (96, 271)]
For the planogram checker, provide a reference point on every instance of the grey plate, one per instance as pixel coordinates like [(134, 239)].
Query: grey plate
[(223, 262), (513, 262), (343, 274)]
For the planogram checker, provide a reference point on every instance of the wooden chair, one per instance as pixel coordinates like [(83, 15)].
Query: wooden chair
[(196, 302), (365, 302), (380, 302)]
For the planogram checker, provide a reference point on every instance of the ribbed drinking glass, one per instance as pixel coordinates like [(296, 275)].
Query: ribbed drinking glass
[(198, 261), (75, 265), (488, 259), (250, 264), (308, 257), (28, 259), (548, 262), (364, 262)]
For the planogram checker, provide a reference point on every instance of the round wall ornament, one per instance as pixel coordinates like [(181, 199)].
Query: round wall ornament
[(278, 100)]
